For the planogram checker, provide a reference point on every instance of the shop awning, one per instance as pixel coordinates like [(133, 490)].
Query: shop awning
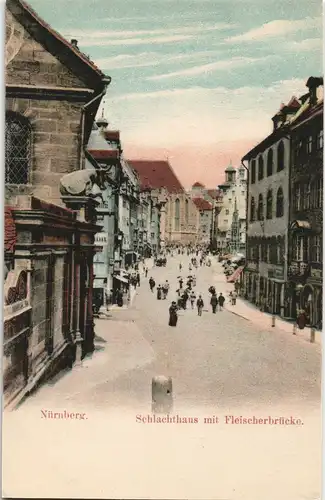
[(234, 277), (121, 278), (300, 224)]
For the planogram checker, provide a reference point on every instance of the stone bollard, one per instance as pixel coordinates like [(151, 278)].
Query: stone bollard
[(162, 394), (294, 331), (273, 320), (312, 335)]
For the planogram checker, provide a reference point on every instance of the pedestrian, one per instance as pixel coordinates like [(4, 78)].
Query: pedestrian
[(301, 319), (180, 283), (214, 302), (119, 298), (185, 299), (190, 267), (138, 278), (165, 289), (199, 305), (221, 301), (192, 299), (159, 292), (230, 298), (152, 283), (212, 290), (173, 317), (233, 298), (146, 272)]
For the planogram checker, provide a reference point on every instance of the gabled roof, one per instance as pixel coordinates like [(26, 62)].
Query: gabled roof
[(156, 174), (56, 44), (10, 235), (202, 204)]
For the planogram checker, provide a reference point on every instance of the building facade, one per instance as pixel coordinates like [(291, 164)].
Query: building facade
[(231, 218), (305, 252), (52, 94), (283, 272), (178, 216), (266, 271), (205, 209)]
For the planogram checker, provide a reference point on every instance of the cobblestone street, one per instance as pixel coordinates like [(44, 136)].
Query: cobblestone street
[(220, 359), (221, 365)]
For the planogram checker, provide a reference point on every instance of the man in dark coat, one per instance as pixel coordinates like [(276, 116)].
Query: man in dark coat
[(221, 301), (214, 302), (199, 305), (185, 299), (152, 284)]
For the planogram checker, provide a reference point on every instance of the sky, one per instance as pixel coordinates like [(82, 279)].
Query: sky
[(194, 81)]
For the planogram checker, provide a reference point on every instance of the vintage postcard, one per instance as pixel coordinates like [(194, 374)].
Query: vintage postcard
[(163, 249)]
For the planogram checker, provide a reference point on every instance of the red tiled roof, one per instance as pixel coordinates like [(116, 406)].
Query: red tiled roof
[(10, 231), (57, 35), (156, 174), (198, 184), (202, 204), (294, 103), (112, 135), (104, 154)]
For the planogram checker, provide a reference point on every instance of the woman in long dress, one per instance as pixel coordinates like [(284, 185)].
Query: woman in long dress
[(173, 314)]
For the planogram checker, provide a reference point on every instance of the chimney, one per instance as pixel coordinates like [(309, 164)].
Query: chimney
[(313, 83), (74, 43)]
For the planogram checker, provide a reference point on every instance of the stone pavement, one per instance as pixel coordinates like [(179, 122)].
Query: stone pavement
[(251, 313)]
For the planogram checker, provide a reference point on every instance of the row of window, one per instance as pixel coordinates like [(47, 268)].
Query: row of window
[(307, 196), (307, 145), (257, 212), (270, 251), (307, 248), (270, 166), (302, 146)]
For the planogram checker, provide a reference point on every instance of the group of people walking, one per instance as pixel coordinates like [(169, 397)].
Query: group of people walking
[(186, 293)]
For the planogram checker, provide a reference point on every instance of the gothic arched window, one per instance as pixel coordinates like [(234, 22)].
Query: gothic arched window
[(253, 171), (186, 212), (269, 204), (17, 149), (253, 208), (279, 203), (280, 157), (177, 214), (260, 208), (269, 166), (260, 168)]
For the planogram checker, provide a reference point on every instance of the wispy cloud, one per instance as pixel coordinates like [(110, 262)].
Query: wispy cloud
[(135, 41), (276, 28), (305, 45), (170, 117), (199, 27), (235, 62), (146, 59)]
